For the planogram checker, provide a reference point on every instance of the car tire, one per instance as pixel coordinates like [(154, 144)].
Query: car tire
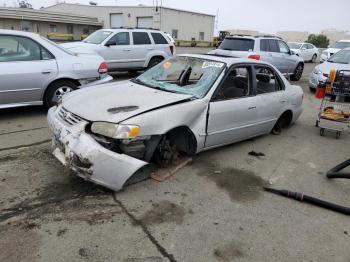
[(298, 72), (56, 90), (154, 61), (314, 58), (283, 122)]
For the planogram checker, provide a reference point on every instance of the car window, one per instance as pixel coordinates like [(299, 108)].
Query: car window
[(236, 85), (309, 46), (283, 47), (267, 80), (237, 44), (159, 39), (122, 38), (97, 37), (294, 45), (16, 48), (273, 46), (341, 45), (341, 57), (185, 75), (141, 38), (264, 45)]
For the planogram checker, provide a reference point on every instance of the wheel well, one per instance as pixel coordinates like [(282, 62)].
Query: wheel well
[(286, 118), (74, 81), (184, 140), (157, 56)]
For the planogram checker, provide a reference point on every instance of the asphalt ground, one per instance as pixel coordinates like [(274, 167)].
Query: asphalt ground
[(212, 210)]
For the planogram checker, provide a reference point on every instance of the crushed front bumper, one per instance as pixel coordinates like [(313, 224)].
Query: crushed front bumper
[(76, 149)]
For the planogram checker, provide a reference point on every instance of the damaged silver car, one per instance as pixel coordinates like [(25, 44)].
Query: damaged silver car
[(186, 104)]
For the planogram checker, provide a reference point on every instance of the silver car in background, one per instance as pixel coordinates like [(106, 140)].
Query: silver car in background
[(36, 71), (339, 61), (187, 104), (265, 48), (126, 49)]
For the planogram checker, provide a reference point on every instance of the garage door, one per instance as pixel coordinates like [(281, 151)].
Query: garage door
[(116, 20), (145, 22)]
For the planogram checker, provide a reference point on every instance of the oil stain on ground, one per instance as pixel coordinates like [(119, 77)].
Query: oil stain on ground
[(164, 212), (229, 252), (241, 185)]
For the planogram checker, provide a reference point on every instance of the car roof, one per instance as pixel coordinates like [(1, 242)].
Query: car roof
[(344, 40), (131, 29), (229, 60), (254, 37), (15, 32)]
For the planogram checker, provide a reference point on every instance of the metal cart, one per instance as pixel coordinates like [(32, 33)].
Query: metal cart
[(334, 113)]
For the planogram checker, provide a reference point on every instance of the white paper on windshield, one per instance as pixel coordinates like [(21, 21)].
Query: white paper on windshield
[(212, 64)]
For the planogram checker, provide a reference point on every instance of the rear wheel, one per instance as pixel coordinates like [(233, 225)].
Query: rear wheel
[(297, 73), (155, 61), (314, 57), (56, 91), (283, 122)]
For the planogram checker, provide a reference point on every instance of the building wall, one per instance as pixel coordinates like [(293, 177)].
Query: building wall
[(188, 24), (294, 36), (335, 35)]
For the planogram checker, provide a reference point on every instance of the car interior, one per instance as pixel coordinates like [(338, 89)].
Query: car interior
[(236, 85), (266, 81)]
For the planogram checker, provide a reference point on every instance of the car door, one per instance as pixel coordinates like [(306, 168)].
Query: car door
[(142, 45), (276, 55), (304, 53), (26, 68), (117, 51), (233, 109), (271, 97), (265, 51), (286, 59)]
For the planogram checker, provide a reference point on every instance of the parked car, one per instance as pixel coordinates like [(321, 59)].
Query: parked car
[(266, 48), (126, 49), (186, 104), (306, 51), (339, 61), (36, 71), (331, 50)]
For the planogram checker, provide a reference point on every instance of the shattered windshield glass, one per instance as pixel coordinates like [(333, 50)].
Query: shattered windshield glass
[(184, 75)]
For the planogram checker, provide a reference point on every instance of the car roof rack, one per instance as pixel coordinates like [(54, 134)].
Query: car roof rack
[(268, 36), (145, 28), (240, 35)]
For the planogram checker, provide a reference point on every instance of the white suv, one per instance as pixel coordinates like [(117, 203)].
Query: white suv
[(126, 49)]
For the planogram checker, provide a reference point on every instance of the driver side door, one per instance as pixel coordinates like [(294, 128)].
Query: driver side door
[(233, 109), (117, 50)]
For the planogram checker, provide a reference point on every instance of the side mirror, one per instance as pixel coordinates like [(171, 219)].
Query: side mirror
[(111, 43)]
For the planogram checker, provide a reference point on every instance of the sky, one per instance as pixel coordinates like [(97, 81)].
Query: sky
[(268, 16)]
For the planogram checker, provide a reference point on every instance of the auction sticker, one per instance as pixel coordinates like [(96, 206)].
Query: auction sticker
[(212, 64)]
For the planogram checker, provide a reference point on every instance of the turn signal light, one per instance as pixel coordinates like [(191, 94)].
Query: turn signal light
[(103, 69)]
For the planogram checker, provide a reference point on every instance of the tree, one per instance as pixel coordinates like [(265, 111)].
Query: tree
[(24, 4), (320, 41)]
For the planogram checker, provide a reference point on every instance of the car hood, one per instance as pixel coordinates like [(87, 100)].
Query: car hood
[(326, 67), (332, 50), (116, 102), (80, 47)]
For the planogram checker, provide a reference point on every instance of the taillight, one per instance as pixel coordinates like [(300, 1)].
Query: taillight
[(256, 57), (103, 68), (172, 49)]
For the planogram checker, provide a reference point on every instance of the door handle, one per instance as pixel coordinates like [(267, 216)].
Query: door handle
[(150, 48), (283, 101), (127, 50), (252, 107), (46, 72)]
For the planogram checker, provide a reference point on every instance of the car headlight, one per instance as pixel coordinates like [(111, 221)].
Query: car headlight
[(114, 130)]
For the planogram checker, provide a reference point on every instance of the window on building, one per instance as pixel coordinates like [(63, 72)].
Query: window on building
[(86, 31), (52, 28), (15, 48), (70, 29), (267, 80), (159, 39), (175, 33), (201, 36), (26, 26), (141, 38)]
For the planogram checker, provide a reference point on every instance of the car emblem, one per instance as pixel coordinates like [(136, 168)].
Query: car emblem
[(67, 115)]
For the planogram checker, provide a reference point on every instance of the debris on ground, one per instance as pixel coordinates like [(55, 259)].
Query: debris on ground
[(256, 154)]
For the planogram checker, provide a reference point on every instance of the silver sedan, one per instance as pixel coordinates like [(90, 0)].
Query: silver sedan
[(36, 71), (186, 105)]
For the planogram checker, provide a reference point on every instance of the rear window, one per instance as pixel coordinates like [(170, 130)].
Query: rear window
[(159, 39), (237, 44), (141, 38)]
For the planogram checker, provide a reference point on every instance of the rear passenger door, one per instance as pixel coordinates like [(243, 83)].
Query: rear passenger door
[(142, 44), (271, 97), (270, 52)]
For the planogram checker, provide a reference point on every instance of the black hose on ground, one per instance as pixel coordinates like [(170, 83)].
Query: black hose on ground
[(335, 171), (332, 174)]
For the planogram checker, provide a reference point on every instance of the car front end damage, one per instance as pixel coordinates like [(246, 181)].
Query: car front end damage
[(91, 156)]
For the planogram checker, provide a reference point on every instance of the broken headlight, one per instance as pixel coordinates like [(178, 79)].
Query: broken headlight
[(114, 130)]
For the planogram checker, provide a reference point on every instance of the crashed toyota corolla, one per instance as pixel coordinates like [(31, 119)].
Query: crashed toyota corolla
[(186, 105)]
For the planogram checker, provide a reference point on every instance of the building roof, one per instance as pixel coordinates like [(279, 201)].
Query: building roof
[(47, 16), (130, 6)]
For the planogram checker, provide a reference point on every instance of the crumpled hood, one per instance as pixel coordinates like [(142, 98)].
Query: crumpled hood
[(80, 47), (326, 67), (116, 102)]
